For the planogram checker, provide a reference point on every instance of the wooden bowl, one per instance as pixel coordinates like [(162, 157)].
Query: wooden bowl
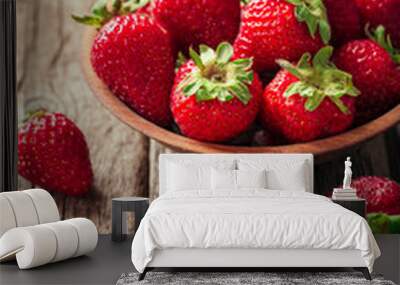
[(319, 147)]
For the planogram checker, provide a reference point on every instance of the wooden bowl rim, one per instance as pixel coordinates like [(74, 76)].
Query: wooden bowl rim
[(128, 116)]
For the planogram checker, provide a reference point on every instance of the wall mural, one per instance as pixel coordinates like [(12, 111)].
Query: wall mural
[(101, 96)]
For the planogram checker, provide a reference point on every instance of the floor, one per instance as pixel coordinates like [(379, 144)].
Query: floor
[(96, 268), (110, 259)]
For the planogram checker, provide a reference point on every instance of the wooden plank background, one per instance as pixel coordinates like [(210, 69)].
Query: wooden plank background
[(125, 162)]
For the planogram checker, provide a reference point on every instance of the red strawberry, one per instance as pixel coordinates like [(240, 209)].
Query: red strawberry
[(381, 193), (133, 55), (309, 100), (286, 29), (194, 22), (344, 19), (382, 12), (52, 153), (372, 62), (214, 98)]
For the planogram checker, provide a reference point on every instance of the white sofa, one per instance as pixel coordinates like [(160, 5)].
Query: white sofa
[(31, 231)]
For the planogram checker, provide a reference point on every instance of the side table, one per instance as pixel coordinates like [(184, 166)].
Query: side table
[(120, 207), (357, 205)]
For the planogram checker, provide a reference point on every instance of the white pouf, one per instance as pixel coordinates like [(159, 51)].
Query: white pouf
[(87, 233), (23, 208), (7, 218), (32, 246), (31, 230), (45, 205), (37, 245), (67, 237)]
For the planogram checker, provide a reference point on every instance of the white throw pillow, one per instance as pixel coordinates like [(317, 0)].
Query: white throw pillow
[(226, 179), (187, 174), (223, 179), (251, 178), (281, 174), (181, 178)]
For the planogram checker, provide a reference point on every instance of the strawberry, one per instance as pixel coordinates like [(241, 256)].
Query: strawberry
[(374, 66), (381, 193), (344, 19), (133, 55), (286, 29), (382, 12), (214, 98), (52, 153), (194, 22), (310, 100)]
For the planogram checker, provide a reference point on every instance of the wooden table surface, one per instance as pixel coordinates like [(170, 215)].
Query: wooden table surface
[(124, 161)]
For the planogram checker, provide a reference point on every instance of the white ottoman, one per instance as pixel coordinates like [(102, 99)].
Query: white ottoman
[(31, 230)]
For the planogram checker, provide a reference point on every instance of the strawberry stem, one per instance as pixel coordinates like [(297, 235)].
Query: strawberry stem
[(104, 10), (319, 78), (34, 114), (216, 76)]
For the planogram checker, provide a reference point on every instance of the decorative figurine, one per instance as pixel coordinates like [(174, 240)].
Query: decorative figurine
[(346, 192), (347, 174)]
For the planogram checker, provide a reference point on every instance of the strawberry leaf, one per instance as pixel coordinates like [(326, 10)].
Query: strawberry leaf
[(294, 88), (241, 92), (295, 2), (101, 12), (321, 58), (224, 52), (204, 95), (99, 9), (88, 20), (243, 63), (319, 80), (324, 31), (131, 6), (98, 17), (290, 67), (378, 36), (304, 61), (314, 100), (342, 107), (116, 5), (196, 58), (313, 14), (191, 88), (207, 54), (181, 59), (224, 95), (245, 2)]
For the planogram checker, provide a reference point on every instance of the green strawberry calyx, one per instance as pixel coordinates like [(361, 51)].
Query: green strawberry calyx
[(34, 114), (217, 77), (104, 10), (378, 36), (314, 14), (319, 78)]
